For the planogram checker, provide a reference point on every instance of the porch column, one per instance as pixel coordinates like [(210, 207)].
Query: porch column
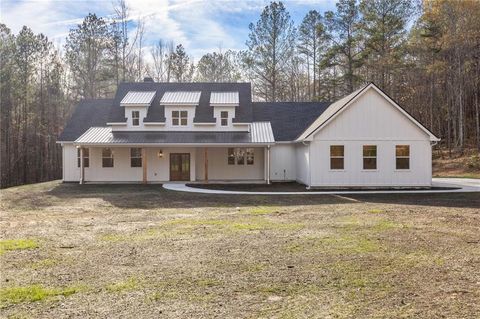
[(144, 164), (82, 167), (206, 165), (268, 164)]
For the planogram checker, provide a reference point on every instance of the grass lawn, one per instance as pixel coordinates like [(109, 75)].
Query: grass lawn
[(135, 251)]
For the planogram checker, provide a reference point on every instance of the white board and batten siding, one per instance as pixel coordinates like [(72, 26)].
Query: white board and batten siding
[(371, 120), (282, 163)]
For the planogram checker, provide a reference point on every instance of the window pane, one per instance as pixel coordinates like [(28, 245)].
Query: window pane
[(250, 156), (224, 114), (184, 121), (336, 150), (240, 156), (403, 163), (402, 150), (183, 114), (175, 114), (231, 156), (135, 162), (224, 122), (86, 152), (369, 163), (86, 162), (135, 122), (106, 152), (107, 162), (136, 152), (369, 150), (336, 163), (175, 121)]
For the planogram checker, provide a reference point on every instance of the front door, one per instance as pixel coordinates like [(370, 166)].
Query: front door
[(179, 166)]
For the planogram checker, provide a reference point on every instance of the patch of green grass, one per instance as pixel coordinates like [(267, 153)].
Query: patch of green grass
[(131, 283), (384, 225), (17, 244), (207, 282), (376, 211), (14, 295), (350, 244)]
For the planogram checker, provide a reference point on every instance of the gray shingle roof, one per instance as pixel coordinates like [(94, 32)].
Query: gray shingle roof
[(288, 119), (87, 113), (204, 111)]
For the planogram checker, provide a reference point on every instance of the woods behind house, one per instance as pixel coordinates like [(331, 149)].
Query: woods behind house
[(425, 55)]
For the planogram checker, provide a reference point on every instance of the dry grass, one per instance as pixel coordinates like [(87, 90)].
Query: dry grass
[(116, 251)]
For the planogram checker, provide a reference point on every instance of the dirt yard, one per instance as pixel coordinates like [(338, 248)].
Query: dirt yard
[(99, 251)]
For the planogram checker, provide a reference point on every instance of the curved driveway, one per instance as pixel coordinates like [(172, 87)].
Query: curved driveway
[(464, 184)]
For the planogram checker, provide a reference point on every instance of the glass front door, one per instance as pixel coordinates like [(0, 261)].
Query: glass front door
[(179, 166)]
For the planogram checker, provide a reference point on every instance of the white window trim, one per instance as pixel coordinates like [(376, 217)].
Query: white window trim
[(375, 157), (180, 117), (135, 118), (342, 157), (136, 157), (397, 157), (224, 118)]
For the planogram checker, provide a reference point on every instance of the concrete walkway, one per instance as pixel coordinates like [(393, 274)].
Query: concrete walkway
[(464, 184)]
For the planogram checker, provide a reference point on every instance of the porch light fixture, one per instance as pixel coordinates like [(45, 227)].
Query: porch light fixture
[(160, 154)]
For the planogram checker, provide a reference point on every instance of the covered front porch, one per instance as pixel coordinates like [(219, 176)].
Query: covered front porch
[(137, 163)]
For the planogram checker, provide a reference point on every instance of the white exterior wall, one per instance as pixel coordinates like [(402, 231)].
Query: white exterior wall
[(218, 168), (282, 162), (158, 169), (302, 163), (371, 120)]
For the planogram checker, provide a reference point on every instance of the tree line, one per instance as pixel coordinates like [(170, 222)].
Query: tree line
[(425, 55)]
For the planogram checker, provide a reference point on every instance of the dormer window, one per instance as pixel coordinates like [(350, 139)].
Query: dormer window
[(179, 118), (224, 118), (135, 118)]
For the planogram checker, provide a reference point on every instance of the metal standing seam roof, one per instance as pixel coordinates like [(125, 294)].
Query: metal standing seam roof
[(138, 97), (181, 97), (224, 98), (260, 133)]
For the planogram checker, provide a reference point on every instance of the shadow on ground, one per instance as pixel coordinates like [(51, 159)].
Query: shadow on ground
[(154, 196)]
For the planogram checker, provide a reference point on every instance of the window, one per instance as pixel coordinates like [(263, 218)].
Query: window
[(337, 156), (402, 156), (369, 156), (179, 118), (86, 157), (231, 156), (224, 118), (135, 157), (135, 118), (250, 156), (241, 156), (107, 157)]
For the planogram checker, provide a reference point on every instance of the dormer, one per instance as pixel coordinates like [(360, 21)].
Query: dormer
[(136, 104), (224, 104), (180, 108)]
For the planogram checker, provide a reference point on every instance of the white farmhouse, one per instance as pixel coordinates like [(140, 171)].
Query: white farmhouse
[(213, 132)]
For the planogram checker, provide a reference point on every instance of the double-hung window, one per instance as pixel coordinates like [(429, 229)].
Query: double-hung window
[(179, 118), (224, 118), (369, 157), (402, 156), (107, 157), (135, 157), (135, 118), (337, 155), (86, 157)]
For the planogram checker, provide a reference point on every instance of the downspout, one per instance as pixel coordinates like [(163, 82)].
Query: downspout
[(268, 164), (309, 163), (82, 168)]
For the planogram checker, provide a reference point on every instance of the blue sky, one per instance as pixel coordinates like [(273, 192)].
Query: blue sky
[(200, 25)]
